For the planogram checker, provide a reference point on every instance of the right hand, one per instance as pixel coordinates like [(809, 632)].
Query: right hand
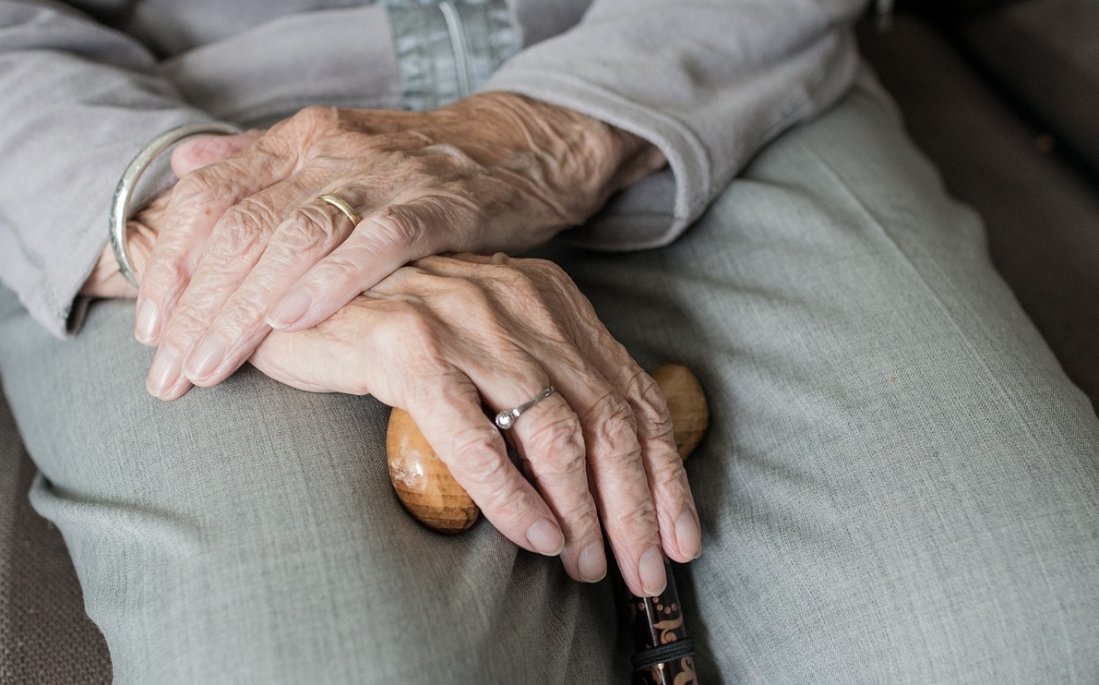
[(447, 335), (106, 279), (248, 246)]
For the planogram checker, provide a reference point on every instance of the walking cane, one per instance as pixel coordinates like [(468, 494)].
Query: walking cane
[(664, 653)]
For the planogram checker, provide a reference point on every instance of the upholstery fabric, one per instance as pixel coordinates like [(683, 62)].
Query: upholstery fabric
[(1042, 217), (1046, 53), (951, 8), (45, 636)]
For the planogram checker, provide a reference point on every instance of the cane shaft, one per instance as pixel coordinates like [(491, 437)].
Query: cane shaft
[(664, 654)]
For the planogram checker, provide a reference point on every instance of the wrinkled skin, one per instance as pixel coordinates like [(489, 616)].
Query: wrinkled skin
[(247, 245), (442, 335), (445, 333)]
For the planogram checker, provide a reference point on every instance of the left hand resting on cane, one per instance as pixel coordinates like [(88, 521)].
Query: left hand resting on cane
[(246, 244), (446, 335)]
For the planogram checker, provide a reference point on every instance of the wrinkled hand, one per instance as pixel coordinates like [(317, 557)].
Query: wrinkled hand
[(442, 336), (247, 246), (106, 279)]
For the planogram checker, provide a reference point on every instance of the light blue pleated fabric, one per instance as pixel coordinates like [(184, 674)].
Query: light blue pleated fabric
[(447, 50)]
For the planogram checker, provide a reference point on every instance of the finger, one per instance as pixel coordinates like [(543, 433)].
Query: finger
[(165, 379), (618, 476), (618, 450), (200, 151), (391, 349), (607, 432), (199, 201), (379, 245), (444, 335), (106, 279), (449, 414), (348, 353), (677, 515), (233, 249), (550, 441), (312, 232)]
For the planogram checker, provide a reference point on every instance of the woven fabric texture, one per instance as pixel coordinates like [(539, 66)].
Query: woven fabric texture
[(45, 636), (1042, 217)]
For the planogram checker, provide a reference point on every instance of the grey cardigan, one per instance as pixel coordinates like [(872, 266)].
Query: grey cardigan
[(85, 84)]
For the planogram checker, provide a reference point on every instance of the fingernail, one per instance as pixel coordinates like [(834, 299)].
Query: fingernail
[(206, 357), (651, 569), (545, 537), (290, 308), (592, 563), (688, 535), (164, 372), (145, 327)]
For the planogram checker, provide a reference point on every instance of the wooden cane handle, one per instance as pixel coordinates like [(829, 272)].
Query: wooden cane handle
[(428, 491)]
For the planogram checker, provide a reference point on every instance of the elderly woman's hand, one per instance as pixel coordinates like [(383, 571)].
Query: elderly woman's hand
[(247, 246), (448, 335), (106, 279)]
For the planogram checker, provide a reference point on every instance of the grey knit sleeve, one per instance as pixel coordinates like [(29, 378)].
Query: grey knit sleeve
[(708, 82), (79, 100)]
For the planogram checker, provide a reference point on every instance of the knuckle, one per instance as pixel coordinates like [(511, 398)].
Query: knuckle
[(316, 118), (449, 154), (185, 324), (557, 447), (204, 190), (512, 503), (413, 332), (638, 518), (165, 275), (416, 166), (615, 422), (477, 457), (465, 296), (244, 228), (545, 275), (247, 310), (307, 229), (433, 163), (651, 407), (546, 268), (194, 189), (582, 519), (398, 225), (508, 281), (520, 283), (338, 270)]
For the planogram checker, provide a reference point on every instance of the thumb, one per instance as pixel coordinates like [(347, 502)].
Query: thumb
[(199, 151)]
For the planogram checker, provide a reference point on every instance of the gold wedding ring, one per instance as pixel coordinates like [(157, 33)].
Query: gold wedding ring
[(341, 205)]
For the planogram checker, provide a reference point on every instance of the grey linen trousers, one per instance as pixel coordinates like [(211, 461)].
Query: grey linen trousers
[(899, 486)]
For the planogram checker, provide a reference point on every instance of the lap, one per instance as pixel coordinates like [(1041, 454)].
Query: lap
[(899, 482), (249, 533)]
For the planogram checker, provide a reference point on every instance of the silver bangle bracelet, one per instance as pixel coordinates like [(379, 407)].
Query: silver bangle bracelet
[(124, 191)]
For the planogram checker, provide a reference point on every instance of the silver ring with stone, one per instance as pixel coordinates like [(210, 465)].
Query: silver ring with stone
[(506, 419)]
